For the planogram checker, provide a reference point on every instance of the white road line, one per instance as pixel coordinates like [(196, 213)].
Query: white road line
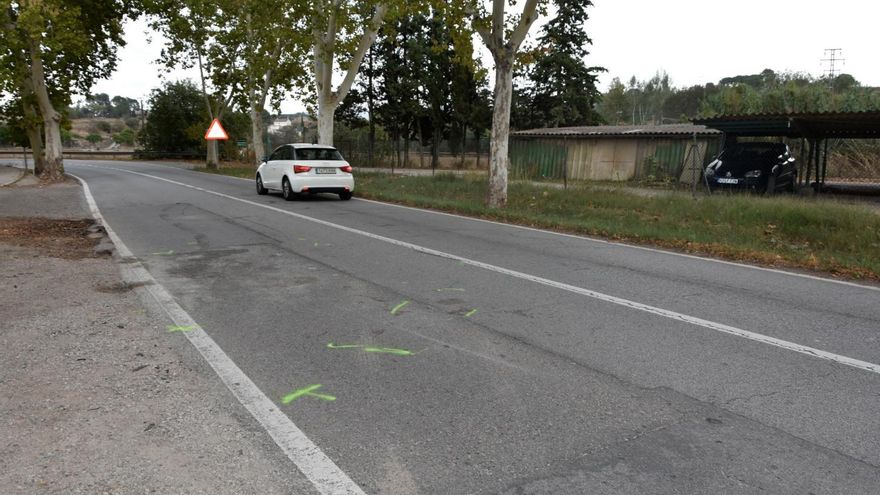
[(590, 239), (719, 327), (323, 473)]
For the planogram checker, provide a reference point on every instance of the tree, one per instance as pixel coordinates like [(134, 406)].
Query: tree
[(433, 59), (176, 118), (57, 48), (398, 107), (562, 88), (503, 45), (276, 38), (346, 30), (614, 106), (197, 36)]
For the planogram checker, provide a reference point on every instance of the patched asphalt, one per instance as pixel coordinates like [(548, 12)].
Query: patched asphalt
[(511, 386)]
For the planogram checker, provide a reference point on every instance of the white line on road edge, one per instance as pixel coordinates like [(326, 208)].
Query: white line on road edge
[(719, 327), (323, 473)]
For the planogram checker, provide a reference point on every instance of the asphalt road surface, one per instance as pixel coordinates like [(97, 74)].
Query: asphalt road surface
[(537, 363)]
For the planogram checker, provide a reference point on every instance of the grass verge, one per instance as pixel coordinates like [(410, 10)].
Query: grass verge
[(818, 235), (813, 234)]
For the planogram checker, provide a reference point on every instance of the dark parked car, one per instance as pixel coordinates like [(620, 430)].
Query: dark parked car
[(760, 167)]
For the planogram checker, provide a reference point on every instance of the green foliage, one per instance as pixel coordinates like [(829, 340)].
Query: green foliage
[(125, 136), (560, 89), (655, 101), (785, 93), (177, 119), (93, 138), (101, 105)]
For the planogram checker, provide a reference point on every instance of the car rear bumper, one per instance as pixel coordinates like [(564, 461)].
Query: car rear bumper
[(334, 184)]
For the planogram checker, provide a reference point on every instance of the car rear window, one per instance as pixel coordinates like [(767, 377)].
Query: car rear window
[(317, 154)]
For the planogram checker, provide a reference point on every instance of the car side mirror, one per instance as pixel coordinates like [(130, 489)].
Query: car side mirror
[(265, 159)]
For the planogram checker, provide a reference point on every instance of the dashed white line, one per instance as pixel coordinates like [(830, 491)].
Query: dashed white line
[(719, 327), (321, 471)]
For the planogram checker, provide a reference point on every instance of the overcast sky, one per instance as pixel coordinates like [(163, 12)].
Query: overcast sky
[(695, 41)]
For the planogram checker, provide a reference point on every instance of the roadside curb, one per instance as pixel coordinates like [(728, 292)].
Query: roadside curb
[(7, 182)]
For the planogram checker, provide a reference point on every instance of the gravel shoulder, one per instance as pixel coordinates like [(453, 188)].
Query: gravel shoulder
[(97, 397)]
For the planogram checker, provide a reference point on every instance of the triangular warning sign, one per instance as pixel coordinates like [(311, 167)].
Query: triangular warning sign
[(216, 132)]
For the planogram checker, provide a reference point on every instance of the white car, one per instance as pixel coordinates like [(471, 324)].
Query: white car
[(305, 168)]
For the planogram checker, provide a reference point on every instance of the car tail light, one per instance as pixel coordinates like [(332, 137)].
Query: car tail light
[(346, 169), (299, 169)]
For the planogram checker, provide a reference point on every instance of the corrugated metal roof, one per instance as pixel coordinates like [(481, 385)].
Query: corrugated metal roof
[(596, 131), (856, 125)]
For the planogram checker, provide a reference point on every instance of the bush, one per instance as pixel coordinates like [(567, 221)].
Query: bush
[(104, 126), (126, 136), (93, 138)]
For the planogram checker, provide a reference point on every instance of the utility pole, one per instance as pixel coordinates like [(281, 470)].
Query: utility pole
[(832, 58)]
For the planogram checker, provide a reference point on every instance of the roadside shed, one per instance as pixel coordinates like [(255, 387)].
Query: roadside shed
[(813, 129), (613, 153)]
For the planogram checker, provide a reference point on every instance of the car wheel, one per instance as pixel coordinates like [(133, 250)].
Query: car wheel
[(286, 190), (260, 189), (345, 196), (792, 186), (771, 185)]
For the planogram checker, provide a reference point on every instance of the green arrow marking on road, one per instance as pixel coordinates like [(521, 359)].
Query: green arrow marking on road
[(399, 307), (179, 328), (331, 345), (310, 391), (470, 313), (389, 350), (377, 350)]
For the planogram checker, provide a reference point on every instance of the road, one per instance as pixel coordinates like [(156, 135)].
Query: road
[(539, 363)]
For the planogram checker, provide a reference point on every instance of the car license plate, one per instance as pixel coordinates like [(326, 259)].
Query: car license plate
[(324, 170), (728, 181)]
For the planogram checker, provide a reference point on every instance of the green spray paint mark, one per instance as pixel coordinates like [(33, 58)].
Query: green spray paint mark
[(450, 289), (377, 350), (316, 244), (331, 345), (301, 238), (470, 313), (164, 253), (179, 328), (310, 391), (399, 307), (390, 350)]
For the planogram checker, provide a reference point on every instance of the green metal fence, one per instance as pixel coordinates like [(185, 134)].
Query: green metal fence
[(537, 159)]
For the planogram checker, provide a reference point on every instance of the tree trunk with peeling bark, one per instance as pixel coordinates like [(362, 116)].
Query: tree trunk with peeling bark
[(32, 130), (500, 161), (36, 141), (257, 135), (326, 114), (53, 159), (503, 52), (323, 53)]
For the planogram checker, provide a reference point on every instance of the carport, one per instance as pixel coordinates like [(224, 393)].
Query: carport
[(813, 129)]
